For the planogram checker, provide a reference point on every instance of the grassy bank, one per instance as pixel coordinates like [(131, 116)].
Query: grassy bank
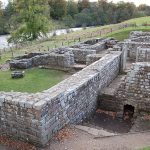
[(35, 80), (75, 37)]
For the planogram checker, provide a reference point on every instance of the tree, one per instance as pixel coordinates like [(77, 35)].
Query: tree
[(145, 9), (82, 4), (33, 18), (58, 8), (1, 11), (72, 8), (125, 11)]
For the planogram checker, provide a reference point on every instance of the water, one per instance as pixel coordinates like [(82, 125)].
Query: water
[(4, 43)]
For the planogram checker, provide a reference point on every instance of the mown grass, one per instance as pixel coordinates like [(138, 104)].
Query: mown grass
[(147, 148), (139, 21), (124, 33), (35, 80)]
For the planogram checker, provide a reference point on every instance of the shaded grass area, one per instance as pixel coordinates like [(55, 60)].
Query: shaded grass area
[(35, 80)]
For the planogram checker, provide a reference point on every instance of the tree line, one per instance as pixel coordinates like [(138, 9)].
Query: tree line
[(27, 19)]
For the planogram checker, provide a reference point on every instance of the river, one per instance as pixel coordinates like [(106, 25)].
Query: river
[(4, 43)]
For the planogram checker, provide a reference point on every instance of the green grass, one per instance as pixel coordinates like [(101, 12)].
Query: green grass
[(139, 21), (35, 80), (124, 33), (147, 148)]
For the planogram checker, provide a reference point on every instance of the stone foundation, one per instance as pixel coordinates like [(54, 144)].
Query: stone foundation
[(37, 117), (135, 89), (143, 55)]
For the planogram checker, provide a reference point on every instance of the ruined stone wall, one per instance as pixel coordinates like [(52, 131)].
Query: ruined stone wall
[(143, 55), (144, 39), (92, 58), (65, 60), (37, 117), (137, 34), (81, 54), (135, 89), (132, 47), (98, 47)]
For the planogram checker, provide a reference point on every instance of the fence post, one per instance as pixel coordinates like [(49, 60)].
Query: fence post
[(79, 39), (0, 55), (12, 53)]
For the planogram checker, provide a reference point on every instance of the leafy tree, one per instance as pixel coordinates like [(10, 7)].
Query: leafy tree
[(9, 13), (82, 4), (69, 21), (125, 11), (58, 8), (145, 9), (1, 11), (33, 18), (72, 8)]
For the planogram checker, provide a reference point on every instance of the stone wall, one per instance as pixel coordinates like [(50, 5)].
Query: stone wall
[(37, 117), (92, 58), (135, 89), (81, 54), (143, 55), (58, 60), (135, 34), (144, 39), (132, 47)]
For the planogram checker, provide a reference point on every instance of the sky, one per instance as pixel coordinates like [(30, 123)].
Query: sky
[(137, 2)]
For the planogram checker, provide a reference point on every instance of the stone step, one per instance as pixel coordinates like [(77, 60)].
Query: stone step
[(79, 66), (110, 90), (95, 132)]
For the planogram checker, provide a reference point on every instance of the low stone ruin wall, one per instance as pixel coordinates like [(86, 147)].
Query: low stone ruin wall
[(81, 54), (137, 34), (64, 57), (92, 58), (143, 55), (132, 48), (144, 39), (62, 61), (37, 117), (98, 47), (135, 89)]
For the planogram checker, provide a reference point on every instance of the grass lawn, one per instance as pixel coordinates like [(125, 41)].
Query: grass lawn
[(35, 80), (124, 33), (148, 148)]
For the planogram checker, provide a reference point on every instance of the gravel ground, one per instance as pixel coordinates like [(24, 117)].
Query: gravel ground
[(83, 141)]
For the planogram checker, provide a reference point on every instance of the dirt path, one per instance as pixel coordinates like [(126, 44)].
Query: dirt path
[(84, 141)]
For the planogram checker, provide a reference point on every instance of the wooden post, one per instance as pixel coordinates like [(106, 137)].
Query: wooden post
[(48, 48), (0, 55), (12, 53)]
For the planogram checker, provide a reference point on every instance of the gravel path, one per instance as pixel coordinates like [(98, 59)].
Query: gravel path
[(85, 141)]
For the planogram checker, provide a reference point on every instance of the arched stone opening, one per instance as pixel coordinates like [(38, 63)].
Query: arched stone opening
[(128, 112)]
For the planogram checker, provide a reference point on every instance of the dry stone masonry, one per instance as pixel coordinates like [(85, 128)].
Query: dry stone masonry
[(37, 117), (64, 58), (135, 89)]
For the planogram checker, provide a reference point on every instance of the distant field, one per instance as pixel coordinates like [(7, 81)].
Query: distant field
[(35, 80), (72, 38)]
